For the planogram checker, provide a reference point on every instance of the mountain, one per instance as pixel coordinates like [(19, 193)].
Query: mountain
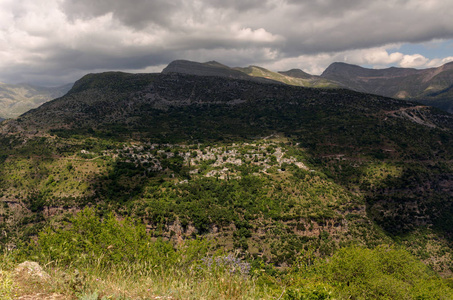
[(253, 73), (15, 99), (281, 175), (432, 86), (297, 73), (292, 77), (97, 100)]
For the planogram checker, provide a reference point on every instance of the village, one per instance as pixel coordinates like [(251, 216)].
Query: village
[(218, 161)]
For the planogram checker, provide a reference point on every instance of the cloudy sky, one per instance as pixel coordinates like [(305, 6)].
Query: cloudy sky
[(51, 42)]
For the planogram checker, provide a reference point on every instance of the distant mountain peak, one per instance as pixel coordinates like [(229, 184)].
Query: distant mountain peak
[(342, 68), (296, 73), (252, 72), (431, 86)]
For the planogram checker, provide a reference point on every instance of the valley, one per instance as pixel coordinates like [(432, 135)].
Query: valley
[(16, 99)]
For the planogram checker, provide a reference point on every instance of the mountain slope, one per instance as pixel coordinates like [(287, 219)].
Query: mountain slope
[(15, 99), (270, 170), (297, 73), (430, 86), (129, 99), (292, 77)]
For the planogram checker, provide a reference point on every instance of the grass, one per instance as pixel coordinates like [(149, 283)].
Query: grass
[(6, 285), (353, 272), (135, 281)]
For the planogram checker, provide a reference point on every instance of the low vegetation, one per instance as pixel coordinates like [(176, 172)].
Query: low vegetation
[(91, 257)]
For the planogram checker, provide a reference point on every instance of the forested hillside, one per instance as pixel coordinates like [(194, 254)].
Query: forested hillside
[(299, 193)]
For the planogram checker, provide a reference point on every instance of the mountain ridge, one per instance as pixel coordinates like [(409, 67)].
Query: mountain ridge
[(432, 86), (114, 89), (211, 68), (254, 73)]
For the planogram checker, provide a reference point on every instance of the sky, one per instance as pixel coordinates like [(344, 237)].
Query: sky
[(53, 42)]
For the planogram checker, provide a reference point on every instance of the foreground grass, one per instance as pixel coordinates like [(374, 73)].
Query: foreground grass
[(105, 258), (130, 282)]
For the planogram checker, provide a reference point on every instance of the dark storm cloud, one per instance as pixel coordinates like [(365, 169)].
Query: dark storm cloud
[(308, 26), (136, 13), (57, 38)]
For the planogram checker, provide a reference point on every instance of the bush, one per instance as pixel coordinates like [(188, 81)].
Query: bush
[(88, 240), (381, 273), (308, 293)]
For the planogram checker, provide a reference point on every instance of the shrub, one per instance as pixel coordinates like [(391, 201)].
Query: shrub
[(88, 240), (308, 293), (381, 273)]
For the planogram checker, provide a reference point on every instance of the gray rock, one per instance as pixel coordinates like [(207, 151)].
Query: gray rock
[(32, 269)]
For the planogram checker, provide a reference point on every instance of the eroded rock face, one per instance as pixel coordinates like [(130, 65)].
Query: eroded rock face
[(32, 269)]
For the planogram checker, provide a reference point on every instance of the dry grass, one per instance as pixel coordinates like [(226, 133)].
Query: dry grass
[(128, 283)]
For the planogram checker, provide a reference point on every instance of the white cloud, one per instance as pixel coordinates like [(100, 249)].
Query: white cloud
[(413, 61), (438, 62), (60, 39), (374, 57), (382, 57), (259, 35)]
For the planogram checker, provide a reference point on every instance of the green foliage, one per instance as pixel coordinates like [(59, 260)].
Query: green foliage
[(6, 285), (316, 292), (380, 273), (90, 240)]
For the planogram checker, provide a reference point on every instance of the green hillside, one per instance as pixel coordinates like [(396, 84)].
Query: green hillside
[(218, 188), (291, 78)]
